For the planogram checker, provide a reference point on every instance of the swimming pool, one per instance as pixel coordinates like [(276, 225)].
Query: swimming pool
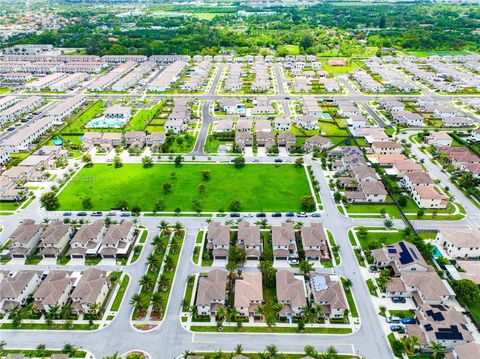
[(326, 116), (105, 122), (57, 141), (436, 252)]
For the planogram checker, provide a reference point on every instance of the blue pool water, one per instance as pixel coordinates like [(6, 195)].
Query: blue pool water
[(436, 252), (326, 116), (57, 141), (104, 122)]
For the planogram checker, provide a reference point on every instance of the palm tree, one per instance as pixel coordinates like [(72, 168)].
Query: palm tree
[(192, 310), (146, 281), (233, 314), (437, 349), (347, 283), (306, 267), (93, 310), (331, 353), (163, 283), (163, 225), (135, 300), (319, 311), (66, 311), (310, 351), (222, 313), (28, 309), (260, 310), (113, 356), (239, 349), (53, 311), (153, 261), (156, 241), (410, 343), (272, 350), (157, 300), (186, 354), (178, 229), (3, 344)]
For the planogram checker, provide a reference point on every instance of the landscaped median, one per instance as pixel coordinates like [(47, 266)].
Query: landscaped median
[(292, 329), (188, 187), (155, 285)]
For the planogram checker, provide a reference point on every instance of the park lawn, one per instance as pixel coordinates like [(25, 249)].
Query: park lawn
[(257, 187), (331, 129), (376, 239), (143, 117), (340, 70), (206, 15), (293, 49), (391, 209)]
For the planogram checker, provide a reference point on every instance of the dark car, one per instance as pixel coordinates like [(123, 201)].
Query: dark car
[(316, 215), (408, 320), (11, 129), (398, 300), (81, 214), (111, 214), (396, 328), (97, 214), (66, 214), (278, 160), (234, 214), (290, 214), (125, 214), (276, 214), (260, 215)]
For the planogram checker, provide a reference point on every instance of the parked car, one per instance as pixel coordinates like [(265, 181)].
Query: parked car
[(408, 320), (248, 215), (66, 214), (81, 214), (234, 214), (97, 214), (278, 160), (290, 214), (397, 328), (261, 215), (293, 261), (398, 300), (392, 319), (302, 214), (256, 160), (316, 215), (125, 214), (111, 214), (276, 214), (372, 269)]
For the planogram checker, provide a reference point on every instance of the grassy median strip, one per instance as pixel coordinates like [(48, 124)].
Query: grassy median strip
[(293, 330), (120, 293), (351, 301)]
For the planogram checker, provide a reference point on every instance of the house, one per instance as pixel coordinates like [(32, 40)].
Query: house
[(328, 292), (91, 289), (135, 138), (282, 124), (54, 290), (248, 238), (175, 126), (475, 135), (456, 121), (86, 242), (155, 139), (307, 122), (401, 257), (428, 197), (459, 243), (244, 126), (420, 178), (286, 139), (223, 126), (370, 191), (211, 292), (248, 293), (266, 139), (118, 240), (465, 351), (291, 293), (387, 148), (54, 239), (314, 241), (243, 139), (16, 288), (438, 139), (316, 142), (218, 240), (25, 238), (401, 168), (442, 324), (283, 242)]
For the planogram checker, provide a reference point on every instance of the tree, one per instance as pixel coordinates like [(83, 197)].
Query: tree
[(69, 349), (337, 196), (268, 273), (41, 350), (145, 281), (388, 223), (221, 313), (402, 201), (299, 162), (347, 283), (135, 300), (178, 161), (157, 300), (117, 162), (466, 290), (49, 201), (235, 205), (437, 349), (87, 159), (238, 349), (122, 204), (383, 211), (167, 187), (272, 350), (310, 351), (420, 213), (206, 175), (239, 161), (3, 344), (306, 267), (362, 231), (308, 203), (201, 187), (147, 161), (87, 203), (159, 205), (410, 343), (331, 353)]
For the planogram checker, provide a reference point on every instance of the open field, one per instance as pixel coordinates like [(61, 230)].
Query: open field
[(257, 187)]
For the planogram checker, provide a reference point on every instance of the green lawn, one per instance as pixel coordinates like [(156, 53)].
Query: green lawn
[(188, 296), (246, 329), (376, 239), (474, 308), (76, 126), (120, 293), (216, 355), (403, 313), (391, 209), (143, 117), (257, 187), (350, 300), (293, 49), (371, 287), (33, 352), (426, 53), (340, 70)]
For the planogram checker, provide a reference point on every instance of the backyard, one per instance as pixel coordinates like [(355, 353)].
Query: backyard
[(255, 187)]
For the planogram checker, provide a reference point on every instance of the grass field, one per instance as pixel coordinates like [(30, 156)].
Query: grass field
[(426, 53), (376, 239), (293, 49), (257, 187), (77, 125), (340, 70)]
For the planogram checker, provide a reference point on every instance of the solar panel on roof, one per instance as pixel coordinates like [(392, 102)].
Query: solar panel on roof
[(428, 327), (413, 253), (451, 333), (392, 250), (405, 256)]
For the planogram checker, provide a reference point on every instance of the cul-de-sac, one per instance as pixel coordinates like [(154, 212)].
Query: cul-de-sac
[(249, 179)]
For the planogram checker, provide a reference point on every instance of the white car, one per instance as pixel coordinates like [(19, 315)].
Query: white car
[(293, 261)]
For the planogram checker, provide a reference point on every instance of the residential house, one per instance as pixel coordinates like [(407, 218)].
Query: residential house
[(328, 292), (459, 243), (429, 198), (248, 238), (86, 242), (25, 238), (387, 148), (283, 242), (314, 241), (248, 293), (218, 240), (211, 292), (286, 139), (16, 288), (414, 179), (118, 240), (318, 142), (54, 290), (438, 139), (91, 289), (291, 293), (54, 239)]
